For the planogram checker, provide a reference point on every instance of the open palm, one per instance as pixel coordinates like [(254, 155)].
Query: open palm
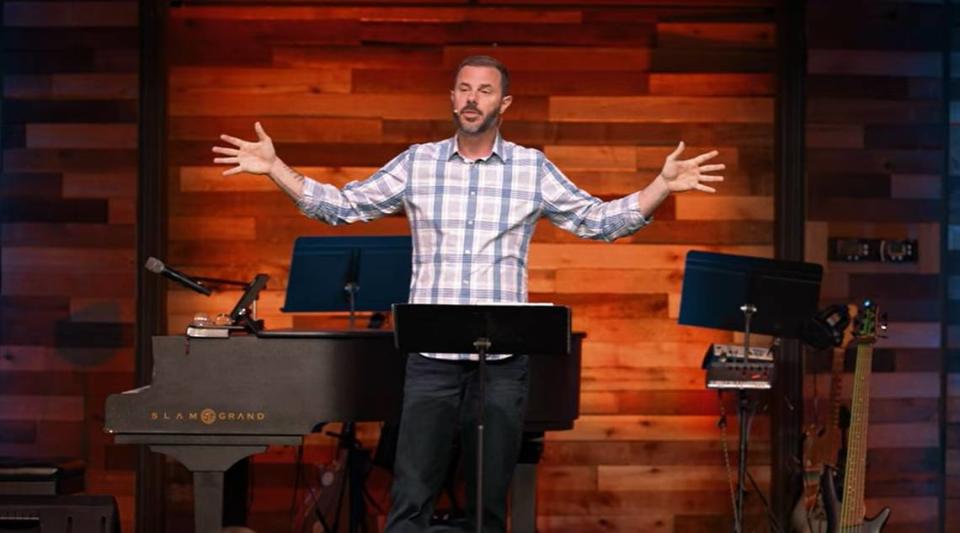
[(253, 157), (689, 174)]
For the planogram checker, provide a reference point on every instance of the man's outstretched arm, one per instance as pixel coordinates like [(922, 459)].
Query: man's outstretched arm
[(575, 210), (378, 195)]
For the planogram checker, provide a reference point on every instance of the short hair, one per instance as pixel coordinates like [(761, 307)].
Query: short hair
[(487, 61)]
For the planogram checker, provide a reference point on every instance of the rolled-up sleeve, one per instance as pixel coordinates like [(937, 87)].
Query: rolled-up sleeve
[(358, 201), (573, 209)]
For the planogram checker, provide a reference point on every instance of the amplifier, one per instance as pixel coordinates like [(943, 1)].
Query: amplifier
[(59, 514), (25, 477)]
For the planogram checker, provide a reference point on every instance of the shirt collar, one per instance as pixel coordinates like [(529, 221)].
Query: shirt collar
[(499, 149)]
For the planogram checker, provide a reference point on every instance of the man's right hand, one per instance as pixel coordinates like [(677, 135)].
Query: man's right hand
[(253, 157)]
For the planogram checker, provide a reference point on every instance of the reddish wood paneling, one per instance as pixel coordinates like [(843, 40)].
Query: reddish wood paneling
[(606, 90)]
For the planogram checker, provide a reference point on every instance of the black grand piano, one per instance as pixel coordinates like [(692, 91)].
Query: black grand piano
[(215, 401)]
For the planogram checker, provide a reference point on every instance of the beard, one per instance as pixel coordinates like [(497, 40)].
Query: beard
[(476, 128)]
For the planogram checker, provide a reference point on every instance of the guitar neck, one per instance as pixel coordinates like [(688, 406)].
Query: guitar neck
[(855, 471)]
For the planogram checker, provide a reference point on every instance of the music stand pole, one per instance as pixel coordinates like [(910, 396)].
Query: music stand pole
[(352, 288), (482, 345), (742, 410)]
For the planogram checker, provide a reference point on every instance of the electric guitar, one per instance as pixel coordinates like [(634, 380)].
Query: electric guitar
[(822, 443), (848, 515)]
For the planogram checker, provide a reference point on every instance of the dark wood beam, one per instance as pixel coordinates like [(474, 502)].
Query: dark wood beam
[(151, 241), (786, 401)]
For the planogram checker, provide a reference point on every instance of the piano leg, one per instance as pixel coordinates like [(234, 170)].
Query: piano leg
[(208, 463), (523, 499), (208, 501), (523, 491)]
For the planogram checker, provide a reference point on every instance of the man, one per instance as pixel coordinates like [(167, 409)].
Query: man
[(472, 202)]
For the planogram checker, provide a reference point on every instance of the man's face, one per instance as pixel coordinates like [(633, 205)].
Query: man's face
[(478, 100)]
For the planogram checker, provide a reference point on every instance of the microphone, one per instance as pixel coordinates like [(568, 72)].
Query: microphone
[(157, 267)]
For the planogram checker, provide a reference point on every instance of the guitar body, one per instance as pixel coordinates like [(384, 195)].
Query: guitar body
[(806, 519), (831, 507)]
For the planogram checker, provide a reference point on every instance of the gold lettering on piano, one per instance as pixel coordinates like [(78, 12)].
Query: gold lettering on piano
[(210, 416)]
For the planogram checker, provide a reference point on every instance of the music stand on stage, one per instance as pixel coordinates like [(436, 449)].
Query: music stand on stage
[(348, 274), (753, 295), (327, 274), (482, 330)]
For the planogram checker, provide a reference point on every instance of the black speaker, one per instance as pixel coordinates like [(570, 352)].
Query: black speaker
[(59, 514)]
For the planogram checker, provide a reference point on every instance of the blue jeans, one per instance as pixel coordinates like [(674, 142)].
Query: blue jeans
[(438, 397)]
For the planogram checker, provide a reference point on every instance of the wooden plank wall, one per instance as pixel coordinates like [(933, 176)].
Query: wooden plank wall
[(67, 187), (606, 92), (875, 166)]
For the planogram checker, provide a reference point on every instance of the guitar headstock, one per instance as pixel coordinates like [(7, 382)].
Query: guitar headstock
[(870, 324)]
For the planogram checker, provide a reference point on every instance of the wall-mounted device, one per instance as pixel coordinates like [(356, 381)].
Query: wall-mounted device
[(853, 250)]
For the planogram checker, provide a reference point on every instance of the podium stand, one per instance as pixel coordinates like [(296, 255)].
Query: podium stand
[(482, 330), (753, 295)]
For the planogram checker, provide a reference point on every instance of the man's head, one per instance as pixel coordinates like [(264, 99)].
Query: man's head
[(481, 92)]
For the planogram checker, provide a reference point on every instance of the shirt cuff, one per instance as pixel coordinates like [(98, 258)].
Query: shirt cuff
[(309, 196), (637, 220)]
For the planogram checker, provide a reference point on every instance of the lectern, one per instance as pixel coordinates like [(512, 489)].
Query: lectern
[(531, 329)]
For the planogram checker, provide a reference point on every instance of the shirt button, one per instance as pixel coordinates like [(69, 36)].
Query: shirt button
[(473, 193), (467, 252), (466, 282), (469, 222)]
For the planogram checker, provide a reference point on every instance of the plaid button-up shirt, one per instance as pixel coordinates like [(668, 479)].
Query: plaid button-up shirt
[(471, 221)]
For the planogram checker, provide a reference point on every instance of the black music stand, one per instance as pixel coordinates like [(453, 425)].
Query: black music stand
[(482, 330), (753, 295), (328, 273)]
